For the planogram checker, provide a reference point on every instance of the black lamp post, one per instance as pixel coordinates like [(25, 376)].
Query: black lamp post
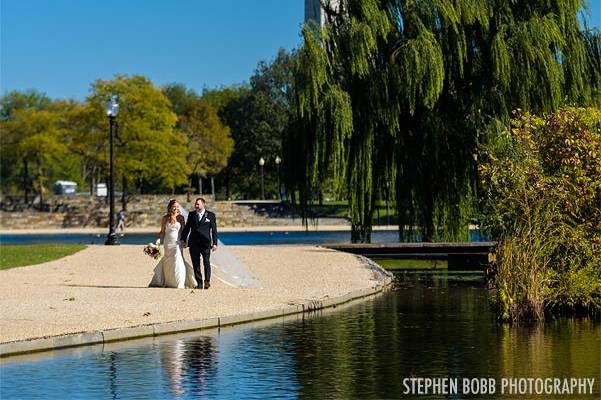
[(112, 110), (261, 164), (278, 161)]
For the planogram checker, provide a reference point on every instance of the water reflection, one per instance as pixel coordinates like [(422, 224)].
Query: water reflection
[(172, 358), (555, 349), (189, 364), (430, 325)]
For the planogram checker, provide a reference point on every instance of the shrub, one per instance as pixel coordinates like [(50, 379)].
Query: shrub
[(542, 180)]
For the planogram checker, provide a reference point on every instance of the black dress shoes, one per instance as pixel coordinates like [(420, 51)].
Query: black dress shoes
[(207, 284)]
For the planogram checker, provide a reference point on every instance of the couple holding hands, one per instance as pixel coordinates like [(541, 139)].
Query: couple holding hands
[(199, 234)]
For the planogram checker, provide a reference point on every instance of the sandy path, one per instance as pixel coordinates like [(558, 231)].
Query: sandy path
[(105, 287)]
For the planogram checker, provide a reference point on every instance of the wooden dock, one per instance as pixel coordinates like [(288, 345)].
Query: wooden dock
[(462, 255)]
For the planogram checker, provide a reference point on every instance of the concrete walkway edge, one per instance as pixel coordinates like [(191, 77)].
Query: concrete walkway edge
[(135, 332)]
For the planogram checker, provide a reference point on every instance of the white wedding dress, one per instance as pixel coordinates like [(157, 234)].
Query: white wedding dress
[(172, 271)]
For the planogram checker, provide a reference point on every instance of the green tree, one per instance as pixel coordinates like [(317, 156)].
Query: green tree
[(182, 98), (150, 153), (15, 100), (228, 101), (89, 141), (405, 92), (15, 170), (39, 141), (258, 117), (209, 141), (221, 97)]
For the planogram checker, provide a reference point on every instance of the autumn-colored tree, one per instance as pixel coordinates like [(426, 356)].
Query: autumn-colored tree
[(15, 170), (38, 140), (150, 153), (209, 142), (89, 140)]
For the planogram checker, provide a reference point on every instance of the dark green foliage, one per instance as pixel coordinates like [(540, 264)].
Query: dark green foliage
[(182, 98), (257, 115), (398, 95), (22, 100)]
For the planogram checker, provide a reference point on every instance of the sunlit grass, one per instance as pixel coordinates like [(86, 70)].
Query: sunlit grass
[(21, 255)]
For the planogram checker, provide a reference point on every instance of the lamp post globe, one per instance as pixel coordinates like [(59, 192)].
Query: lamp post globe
[(261, 164), (112, 107), (278, 161), (112, 110)]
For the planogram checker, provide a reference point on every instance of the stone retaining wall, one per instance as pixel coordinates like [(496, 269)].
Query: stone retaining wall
[(142, 211)]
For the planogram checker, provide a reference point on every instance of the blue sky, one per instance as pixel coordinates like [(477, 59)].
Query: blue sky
[(61, 46)]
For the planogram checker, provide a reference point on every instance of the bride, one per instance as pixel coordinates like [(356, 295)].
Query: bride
[(172, 271)]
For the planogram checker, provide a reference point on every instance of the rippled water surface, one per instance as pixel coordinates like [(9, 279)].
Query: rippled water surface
[(430, 325)]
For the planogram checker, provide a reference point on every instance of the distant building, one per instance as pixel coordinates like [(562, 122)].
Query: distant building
[(100, 190), (314, 10), (65, 187)]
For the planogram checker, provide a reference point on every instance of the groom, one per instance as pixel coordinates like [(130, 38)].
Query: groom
[(202, 229)]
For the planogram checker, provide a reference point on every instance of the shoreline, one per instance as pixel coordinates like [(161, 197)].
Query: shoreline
[(90, 338), (135, 341), (265, 228), (53, 313)]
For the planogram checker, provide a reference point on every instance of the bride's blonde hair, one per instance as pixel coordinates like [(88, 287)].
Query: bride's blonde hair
[(171, 211)]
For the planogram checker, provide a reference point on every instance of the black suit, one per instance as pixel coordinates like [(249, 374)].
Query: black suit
[(202, 236)]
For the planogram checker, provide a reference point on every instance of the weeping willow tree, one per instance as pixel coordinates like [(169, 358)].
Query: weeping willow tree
[(400, 93)]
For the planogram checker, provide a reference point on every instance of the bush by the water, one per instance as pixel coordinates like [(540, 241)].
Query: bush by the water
[(543, 204)]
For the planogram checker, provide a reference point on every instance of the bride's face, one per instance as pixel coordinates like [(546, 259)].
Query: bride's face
[(175, 208)]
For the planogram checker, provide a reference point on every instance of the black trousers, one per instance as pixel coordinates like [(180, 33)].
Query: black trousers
[(195, 253)]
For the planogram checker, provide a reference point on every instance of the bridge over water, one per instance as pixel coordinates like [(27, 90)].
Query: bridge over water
[(458, 255)]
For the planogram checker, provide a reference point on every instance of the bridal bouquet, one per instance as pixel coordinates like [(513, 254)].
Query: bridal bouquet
[(153, 249)]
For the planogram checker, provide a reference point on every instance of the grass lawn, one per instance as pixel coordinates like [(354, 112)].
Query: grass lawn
[(21, 255), (339, 209)]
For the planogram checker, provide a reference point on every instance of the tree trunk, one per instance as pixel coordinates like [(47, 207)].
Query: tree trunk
[(200, 185), (213, 186), (25, 181), (41, 185), (123, 194), (387, 208), (227, 183), (92, 180), (189, 189)]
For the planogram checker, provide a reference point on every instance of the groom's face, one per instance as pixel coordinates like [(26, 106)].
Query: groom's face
[(199, 206)]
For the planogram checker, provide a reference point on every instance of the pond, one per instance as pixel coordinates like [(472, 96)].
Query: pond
[(229, 238), (434, 324)]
